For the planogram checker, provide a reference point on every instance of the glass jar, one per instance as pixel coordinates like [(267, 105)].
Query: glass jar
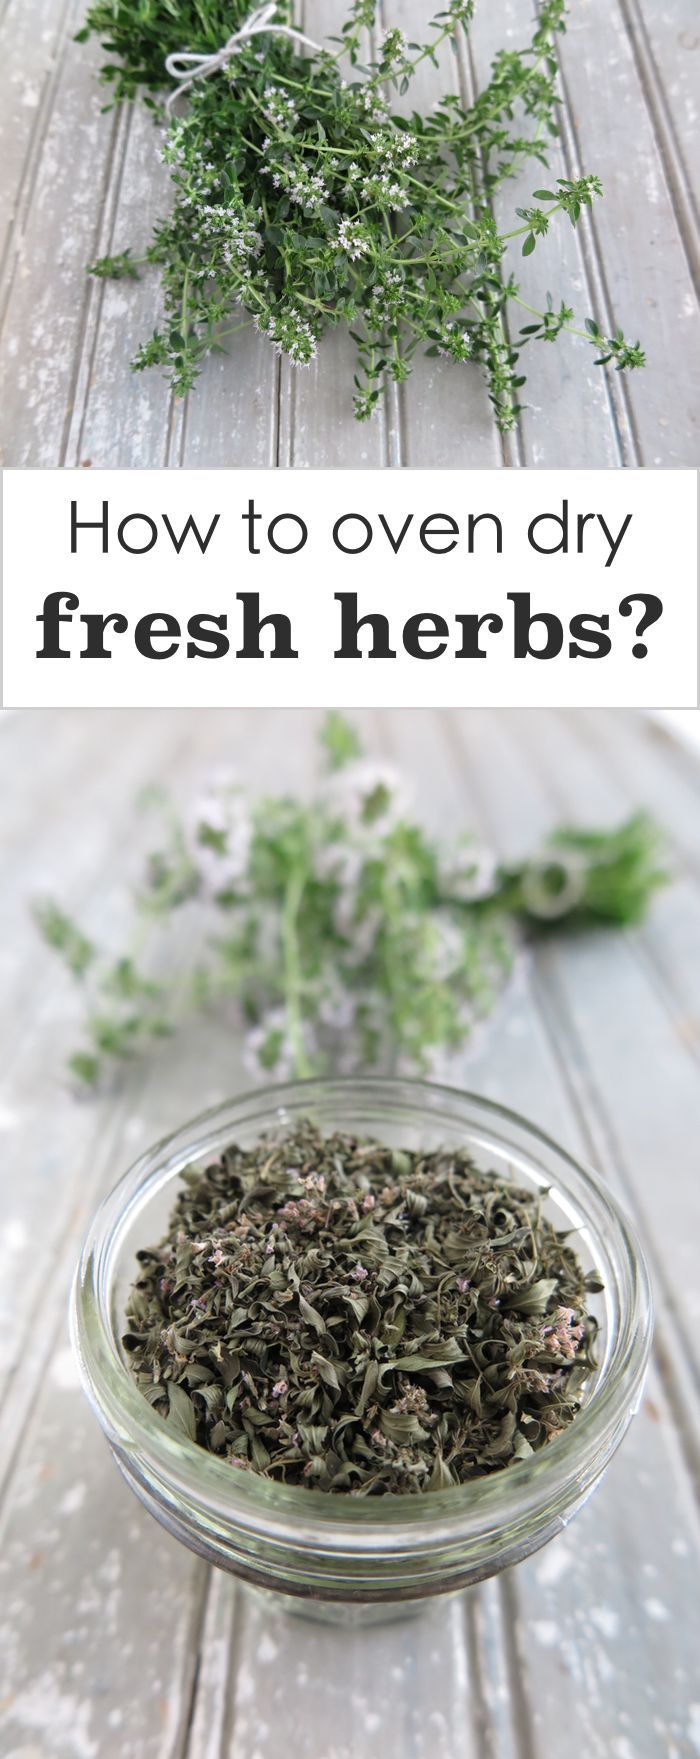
[(334, 1549)]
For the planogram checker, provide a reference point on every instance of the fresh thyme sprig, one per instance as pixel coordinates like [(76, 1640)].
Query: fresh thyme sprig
[(302, 201), (345, 937)]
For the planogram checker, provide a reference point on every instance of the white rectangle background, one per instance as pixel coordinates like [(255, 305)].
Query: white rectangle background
[(630, 563)]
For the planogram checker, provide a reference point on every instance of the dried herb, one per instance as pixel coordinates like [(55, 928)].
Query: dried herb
[(331, 1312), (302, 201), (345, 936)]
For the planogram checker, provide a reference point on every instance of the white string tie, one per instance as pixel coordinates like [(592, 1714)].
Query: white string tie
[(187, 68)]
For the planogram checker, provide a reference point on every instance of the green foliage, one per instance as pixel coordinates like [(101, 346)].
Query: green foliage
[(619, 870), (302, 201), (116, 268), (140, 34), (61, 933), (339, 741), (345, 936)]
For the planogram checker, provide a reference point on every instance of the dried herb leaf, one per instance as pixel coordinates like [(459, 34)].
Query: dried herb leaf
[(182, 1413), (303, 1237)]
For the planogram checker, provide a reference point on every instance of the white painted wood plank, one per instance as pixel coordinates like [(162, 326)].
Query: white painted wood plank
[(401, 1688), (210, 1714), (103, 1632), (50, 293), (43, 748), (318, 429), (496, 1675), (111, 399), (231, 418), (569, 419), (33, 38), (519, 814), (672, 943), (638, 757), (63, 826), (666, 41), (407, 1688), (74, 857), (447, 419), (645, 265), (581, 788), (99, 1606), (672, 30), (606, 1617)]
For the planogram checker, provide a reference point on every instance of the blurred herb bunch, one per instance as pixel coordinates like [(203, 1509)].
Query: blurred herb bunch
[(303, 201), (344, 935)]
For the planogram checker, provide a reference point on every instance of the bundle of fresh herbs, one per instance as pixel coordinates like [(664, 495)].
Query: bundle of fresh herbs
[(334, 1313), (302, 200), (346, 937)]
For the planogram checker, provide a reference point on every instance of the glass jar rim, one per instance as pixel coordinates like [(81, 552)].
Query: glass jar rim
[(546, 1479)]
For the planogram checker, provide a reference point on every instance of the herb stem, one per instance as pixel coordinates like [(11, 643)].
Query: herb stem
[(234, 330), (184, 309), (571, 329), (519, 231), (293, 986)]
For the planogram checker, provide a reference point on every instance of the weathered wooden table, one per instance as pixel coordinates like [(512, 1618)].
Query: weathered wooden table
[(117, 1644), (76, 184)]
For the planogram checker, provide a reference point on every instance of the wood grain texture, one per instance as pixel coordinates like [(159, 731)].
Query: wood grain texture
[(48, 294), (569, 401), (33, 40), (442, 416), (666, 43), (76, 182), (317, 425), (643, 266), (114, 1642), (109, 397), (404, 1688)]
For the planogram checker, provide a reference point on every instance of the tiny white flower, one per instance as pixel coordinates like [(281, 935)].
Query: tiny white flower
[(370, 798), (219, 836), (467, 871)]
